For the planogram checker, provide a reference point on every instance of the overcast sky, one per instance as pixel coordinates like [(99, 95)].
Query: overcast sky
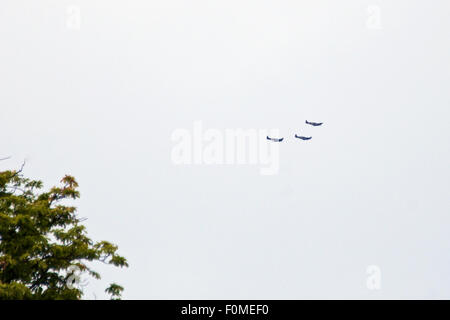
[(98, 95)]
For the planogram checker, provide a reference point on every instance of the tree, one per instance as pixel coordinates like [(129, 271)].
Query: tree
[(43, 242)]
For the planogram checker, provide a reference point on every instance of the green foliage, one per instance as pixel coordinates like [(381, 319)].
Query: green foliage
[(115, 291), (42, 240)]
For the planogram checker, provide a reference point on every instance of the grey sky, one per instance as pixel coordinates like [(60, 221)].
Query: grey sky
[(371, 188)]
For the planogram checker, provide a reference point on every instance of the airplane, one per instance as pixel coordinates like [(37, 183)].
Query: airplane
[(314, 124), (274, 139), (303, 138)]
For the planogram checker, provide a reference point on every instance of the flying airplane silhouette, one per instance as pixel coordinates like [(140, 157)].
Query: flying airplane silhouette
[(314, 124), (303, 138), (274, 139)]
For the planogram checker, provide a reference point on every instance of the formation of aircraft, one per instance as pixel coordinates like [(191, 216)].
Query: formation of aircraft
[(314, 124)]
